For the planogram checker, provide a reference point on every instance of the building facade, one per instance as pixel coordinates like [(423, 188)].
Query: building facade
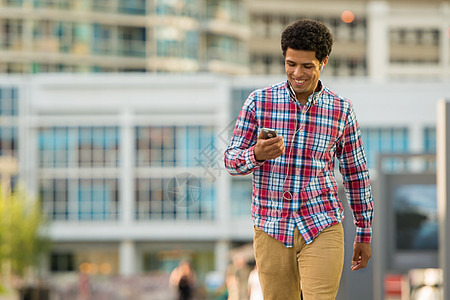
[(379, 39), (123, 36)]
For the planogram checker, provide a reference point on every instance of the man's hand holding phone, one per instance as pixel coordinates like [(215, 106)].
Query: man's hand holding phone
[(269, 145)]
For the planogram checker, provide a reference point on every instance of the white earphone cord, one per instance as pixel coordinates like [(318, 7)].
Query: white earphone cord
[(288, 162)]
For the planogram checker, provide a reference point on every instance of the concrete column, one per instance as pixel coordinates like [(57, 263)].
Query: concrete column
[(444, 47), (27, 35), (416, 137), (378, 43), (27, 41), (127, 258), (28, 152), (443, 194), (127, 205), (223, 180), (151, 41), (221, 255), (379, 240)]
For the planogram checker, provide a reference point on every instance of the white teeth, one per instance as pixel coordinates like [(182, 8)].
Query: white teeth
[(299, 81)]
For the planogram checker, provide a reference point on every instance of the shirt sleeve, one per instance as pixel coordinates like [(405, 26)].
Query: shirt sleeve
[(353, 167), (239, 157)]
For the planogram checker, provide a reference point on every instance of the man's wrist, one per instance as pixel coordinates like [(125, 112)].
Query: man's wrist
[(252, 157), (256, 157)]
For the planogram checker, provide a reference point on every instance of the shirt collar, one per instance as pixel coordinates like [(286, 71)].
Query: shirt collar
[(314, 97)]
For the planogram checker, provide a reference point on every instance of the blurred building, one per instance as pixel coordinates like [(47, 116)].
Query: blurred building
[(123, 36), (129, 168), (380, 39)]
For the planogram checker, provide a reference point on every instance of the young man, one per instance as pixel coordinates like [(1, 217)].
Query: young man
[(299, 241)]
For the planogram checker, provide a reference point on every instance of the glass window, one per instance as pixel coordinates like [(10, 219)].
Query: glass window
[(188, 8), (9, 101), (97, 199), (155, 146), (416, 217), (105, 6), (238, 98), (98, 147), (17, 3), (182, 197), (103, 42), (225, 48), (241, 197), (48, 36), (175, 42), (78, 147), (80, 199), (81, 35), (134, 7), (383, 140), (200, 147), (132, 41), (53, 147), (62, 262), (11, 34), (430, 140), (8, 67), (54, 197), (227, 10), (8, 141), (189, 146)]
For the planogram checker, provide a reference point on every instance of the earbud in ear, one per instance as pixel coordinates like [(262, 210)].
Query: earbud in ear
[(321, 68)]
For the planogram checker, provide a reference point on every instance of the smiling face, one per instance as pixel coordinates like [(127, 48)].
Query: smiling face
[(303, 71)]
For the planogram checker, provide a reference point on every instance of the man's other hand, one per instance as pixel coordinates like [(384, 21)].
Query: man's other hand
[(361, 255)]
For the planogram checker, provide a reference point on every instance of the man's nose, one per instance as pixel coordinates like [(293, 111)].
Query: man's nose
[(298, 71)]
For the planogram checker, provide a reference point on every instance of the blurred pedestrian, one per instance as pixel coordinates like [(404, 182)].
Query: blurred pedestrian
[(237, 278), (254, 287), (184, 279), (84, 287), (289, 136)]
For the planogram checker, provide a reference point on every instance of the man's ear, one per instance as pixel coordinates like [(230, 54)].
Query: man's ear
[(324, 62)]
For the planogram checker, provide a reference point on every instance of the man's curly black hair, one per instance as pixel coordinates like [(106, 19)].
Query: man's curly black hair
[(308, 35)]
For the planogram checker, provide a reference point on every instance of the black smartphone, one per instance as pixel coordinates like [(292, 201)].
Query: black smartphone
[(269, 133)]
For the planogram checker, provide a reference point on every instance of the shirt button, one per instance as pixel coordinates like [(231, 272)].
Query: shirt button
[(298, 172), (299, 152)]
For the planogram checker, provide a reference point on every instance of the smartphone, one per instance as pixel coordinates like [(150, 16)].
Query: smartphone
[(269, 133)]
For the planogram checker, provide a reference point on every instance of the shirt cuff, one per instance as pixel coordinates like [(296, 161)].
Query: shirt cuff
[(363, 234), (250, 159)]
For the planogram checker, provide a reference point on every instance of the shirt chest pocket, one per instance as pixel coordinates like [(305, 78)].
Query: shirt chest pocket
[(322, 141)]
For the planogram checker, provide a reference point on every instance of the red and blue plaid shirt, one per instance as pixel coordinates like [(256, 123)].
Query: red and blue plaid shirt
[(314, 134)]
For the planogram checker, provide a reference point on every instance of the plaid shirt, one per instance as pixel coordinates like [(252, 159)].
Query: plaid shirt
[(314, 133)]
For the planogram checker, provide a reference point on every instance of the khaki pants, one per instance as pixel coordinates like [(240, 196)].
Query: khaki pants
[(315, 268)]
